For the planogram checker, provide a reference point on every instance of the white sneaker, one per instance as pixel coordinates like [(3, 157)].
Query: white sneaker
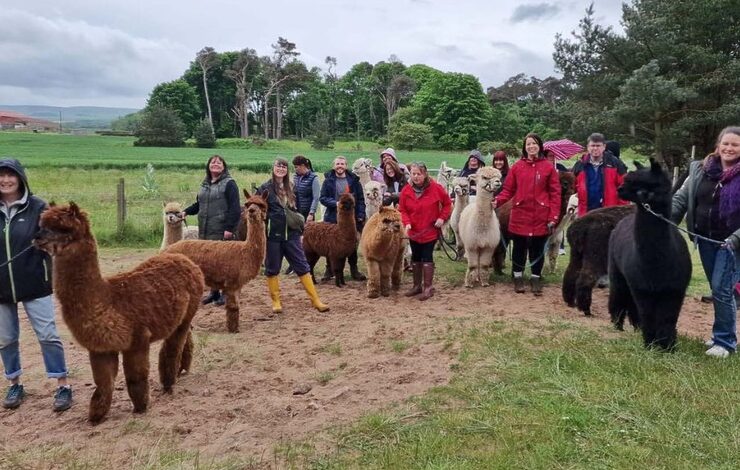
[(709, 343), (561, 251), (717, 351)]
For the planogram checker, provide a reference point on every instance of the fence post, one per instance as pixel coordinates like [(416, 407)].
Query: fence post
[(121, 212)]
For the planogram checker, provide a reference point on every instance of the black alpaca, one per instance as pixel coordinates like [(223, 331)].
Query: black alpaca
[(649, 262), (588, 238)]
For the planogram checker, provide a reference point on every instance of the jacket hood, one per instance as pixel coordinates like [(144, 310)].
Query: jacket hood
[(388, 151), (15, 165), (474, 154)]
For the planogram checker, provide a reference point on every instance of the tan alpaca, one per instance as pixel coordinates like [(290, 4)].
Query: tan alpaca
[(445, 175), (363, 168), (174, 226), (383, 245), (124, 313), (479, 228), (553, 246), (229, 265), (373, 198), (461, 188)]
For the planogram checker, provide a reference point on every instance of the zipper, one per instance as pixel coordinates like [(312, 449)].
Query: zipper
[(46, 271), (10, 265)]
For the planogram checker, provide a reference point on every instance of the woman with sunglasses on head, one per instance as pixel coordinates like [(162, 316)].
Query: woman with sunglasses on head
[(425, 206)]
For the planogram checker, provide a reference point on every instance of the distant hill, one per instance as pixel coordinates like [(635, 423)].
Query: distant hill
[(79, 117)]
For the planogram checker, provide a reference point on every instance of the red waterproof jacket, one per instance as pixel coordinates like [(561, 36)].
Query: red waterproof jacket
[(421, 213), (612, 170), (534, 186)]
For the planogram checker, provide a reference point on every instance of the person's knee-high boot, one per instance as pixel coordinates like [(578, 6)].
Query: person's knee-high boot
[(273, 284), (356, 274), (428, 272), (416, 268), (312, 294)]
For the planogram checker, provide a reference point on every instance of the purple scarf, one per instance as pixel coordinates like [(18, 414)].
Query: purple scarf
[(729, 195)]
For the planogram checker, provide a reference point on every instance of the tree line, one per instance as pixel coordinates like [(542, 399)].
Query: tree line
[(670, 80)]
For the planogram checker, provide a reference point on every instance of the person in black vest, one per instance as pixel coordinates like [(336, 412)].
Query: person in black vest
[(336, 182), (217, 206), (25, 277), (307, 189)]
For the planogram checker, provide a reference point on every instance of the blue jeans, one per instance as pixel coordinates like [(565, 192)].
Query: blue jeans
[(41, 315), (722, 267)]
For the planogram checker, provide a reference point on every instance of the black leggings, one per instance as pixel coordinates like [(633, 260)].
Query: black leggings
[(422, 252), (534, 246)]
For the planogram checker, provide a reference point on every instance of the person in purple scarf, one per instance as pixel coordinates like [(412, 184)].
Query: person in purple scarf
[(710, 198)]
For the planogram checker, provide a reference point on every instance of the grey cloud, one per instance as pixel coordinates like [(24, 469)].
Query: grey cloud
[(534, 12), (59, 58)]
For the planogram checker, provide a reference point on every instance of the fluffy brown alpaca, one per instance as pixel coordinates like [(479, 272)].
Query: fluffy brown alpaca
[(335, 241), (229, 265), (383, 246), (174, 226), (124, 313), (567, 188)]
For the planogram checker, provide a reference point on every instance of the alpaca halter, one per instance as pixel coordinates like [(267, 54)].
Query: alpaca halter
[(646, 206)]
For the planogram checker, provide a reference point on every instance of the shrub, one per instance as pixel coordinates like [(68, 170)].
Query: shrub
[(160, 127), (489, 147), (203, 134), (410, 135), (321, 137)]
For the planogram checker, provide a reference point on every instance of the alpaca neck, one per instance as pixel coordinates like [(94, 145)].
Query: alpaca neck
[(652, 235), (346, 218), (483, 201), (77, 277), (460, 203), (172, 233)]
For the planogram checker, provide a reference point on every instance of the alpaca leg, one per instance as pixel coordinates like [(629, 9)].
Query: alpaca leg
[(470, 273), (312, 259), (104, 369), (136, 371), (585, 282), (373, 279), (170, 356), (397, 272), (186, 359), (570, 276), (232, 311), (552, 254), (385, 279), (659, 315), (621, 303), (338, 266), (486, 259)]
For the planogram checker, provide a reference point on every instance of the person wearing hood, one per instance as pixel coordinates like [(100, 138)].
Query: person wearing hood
[(474, 163), (218, 209), (385, 156), (25, 277)]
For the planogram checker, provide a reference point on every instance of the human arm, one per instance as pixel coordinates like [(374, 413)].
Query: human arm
[(680, 201), (445, 205), (233, 209), (327, 197), (316, 193), (509, 189)]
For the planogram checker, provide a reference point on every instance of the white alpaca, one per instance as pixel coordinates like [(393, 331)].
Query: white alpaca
[(363, 168), (556, 240), (445, 175), (479, 228), (373, 198), (174, 226), (461, 188)]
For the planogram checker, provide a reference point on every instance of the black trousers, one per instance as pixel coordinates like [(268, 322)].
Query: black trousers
[(422, 252), (532, 246)]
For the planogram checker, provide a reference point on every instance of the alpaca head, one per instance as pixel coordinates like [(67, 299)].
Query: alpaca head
[(567, 185), (647, 186), (445, 173), (172, 212), (390, 220), (460, 186), (63, 230), (488, 179), (572, 204), (362, 166), (374, 192), (346, 203), (255, 207)]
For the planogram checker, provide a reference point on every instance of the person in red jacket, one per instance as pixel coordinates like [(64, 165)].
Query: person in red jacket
[(598, 176), (534, 186), (425, 206)]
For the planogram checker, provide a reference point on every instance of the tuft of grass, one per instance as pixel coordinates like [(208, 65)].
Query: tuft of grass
[(335, 349), (325, 377), (398, 346)]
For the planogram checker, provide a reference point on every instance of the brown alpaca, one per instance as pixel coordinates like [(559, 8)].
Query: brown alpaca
[(383, 245), (229, 265), (124, 313), (567, 188), (174, 226), (335, 241)]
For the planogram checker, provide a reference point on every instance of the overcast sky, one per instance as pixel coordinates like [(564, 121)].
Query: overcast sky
[(113, 52)]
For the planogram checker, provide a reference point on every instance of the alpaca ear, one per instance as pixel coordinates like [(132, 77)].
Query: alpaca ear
[(164, 204), (73, 208), (265, 195), (52, 204), (638, 165), (246, 193), (655, 166)]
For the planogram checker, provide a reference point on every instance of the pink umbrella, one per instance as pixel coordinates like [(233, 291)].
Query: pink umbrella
[(563, 148)]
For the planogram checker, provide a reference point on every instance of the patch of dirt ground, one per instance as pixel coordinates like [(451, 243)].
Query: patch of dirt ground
[(242, 394)]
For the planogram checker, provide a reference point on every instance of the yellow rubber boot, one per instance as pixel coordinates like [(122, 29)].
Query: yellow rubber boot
[(273, 284), (312, 294)]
